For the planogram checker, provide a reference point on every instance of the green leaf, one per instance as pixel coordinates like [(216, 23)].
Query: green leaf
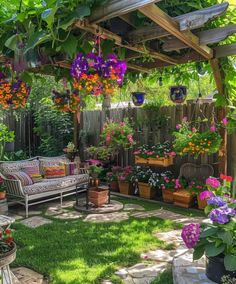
[(26, 77), (212, 250), (198, 252), (226, 237), (83, 11), (220, 100), (48, 15), (36, 39), (12, 42), (230, 262), (209, 232), (107, 47), (70, 45)]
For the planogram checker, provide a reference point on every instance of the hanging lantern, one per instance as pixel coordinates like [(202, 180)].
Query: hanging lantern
[(138, 98), (178, 94)]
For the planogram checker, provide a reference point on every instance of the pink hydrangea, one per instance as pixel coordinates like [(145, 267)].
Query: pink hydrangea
[(213, 128), (205, 195), (213, 182), (190, 235)]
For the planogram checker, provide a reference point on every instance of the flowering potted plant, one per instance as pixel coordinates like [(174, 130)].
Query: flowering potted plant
[(70, 151), (102, 153), (189, 140), (124, 180), (215, 239), (65, 101), (160, 154), (112, 178), (7, 247), (196, 187)]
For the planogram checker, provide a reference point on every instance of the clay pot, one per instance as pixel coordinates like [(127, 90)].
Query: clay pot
[(2, 195), (167, 195), (98, 196), (125, 188), (114, 186)]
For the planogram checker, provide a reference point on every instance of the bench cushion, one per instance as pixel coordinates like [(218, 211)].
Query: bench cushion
[(55, 184), (9, 167)]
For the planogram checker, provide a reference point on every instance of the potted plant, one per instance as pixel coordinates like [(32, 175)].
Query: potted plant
[(7, 247), (5, 136), (169, 185), (196, 187), (112, 178), (124, 180), (98, 195), (215, 239), (189, 140), (144, 176), (70, 151)]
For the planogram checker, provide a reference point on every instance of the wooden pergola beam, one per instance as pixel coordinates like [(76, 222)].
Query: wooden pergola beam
[(116, 8), (189, 21), (128, 19), (225, 50), (167, 23), (205, 37), (95, 29)]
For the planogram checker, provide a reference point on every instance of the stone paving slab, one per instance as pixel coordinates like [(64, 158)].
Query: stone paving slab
[(109, 217), (69, 215), (159, 255), (171, 237), (133, 207), (165, 214), (113, 206), (35, 221), (28, 276), (55, 210)]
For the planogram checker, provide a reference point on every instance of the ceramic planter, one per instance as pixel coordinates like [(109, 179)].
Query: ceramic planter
[(98, 196), (183, 198), (125, 187), (114, 186), (201, 203), (8, 257), (146, 191), (168, 195), (178, 94), (2, 195), (138, 98), (215, 269)]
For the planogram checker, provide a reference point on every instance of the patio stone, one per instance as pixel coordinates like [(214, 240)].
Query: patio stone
[(15, 216), (36, 221), (28, 276), (159, 255), (69, 215), (131, 207), (114, 206), (109, 217), (172, 237), (54, 210)]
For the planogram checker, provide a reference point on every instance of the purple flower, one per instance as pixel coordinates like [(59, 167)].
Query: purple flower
[(217, 200), (190, 235), (221, 215), (206, 194)]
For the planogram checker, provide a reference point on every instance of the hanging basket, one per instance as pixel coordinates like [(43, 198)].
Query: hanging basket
[(138, 98), (178, 94)]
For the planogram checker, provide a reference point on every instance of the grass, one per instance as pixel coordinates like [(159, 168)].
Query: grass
[(77, 252)]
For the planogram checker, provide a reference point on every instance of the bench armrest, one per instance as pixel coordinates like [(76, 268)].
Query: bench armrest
[(13, 187)]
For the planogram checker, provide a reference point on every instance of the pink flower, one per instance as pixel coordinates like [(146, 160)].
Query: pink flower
[(172, 154), (225, 121), (136, 153), (205, 195), (108, 139), (163, 187), (122, 124), (213, 182), (213, 128), (178, 126), (130, 138), (194, 130), (185, 119)]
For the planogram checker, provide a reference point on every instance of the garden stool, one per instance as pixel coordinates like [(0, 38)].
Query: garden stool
[(6, 274)]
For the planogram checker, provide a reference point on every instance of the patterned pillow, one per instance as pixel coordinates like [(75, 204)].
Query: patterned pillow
[(69, 168), (33, 172), (22, 177), (54, 171)]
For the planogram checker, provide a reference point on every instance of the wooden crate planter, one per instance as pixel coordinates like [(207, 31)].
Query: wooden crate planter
[(98, 196), (125, 188), (146, 191), (139, 160), (168, 195), (183, 198), (201, 203), (114, 186), (163, 162)]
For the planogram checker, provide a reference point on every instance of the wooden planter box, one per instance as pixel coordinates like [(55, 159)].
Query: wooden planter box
[(146, 191), (139, 160), (183, 198), (201, 203), (114, 186), (98, 196), (125, 188), (168, 195), (164, 162)]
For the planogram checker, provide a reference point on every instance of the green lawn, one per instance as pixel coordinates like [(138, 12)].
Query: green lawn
[(85, 253)]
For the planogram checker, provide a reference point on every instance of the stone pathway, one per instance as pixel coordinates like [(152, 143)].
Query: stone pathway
[(69, 215), (114, 206), (36, 221), (133, 207), (109, 217), (27, 276)]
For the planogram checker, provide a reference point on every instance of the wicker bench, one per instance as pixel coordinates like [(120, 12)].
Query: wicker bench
[(45, 190)]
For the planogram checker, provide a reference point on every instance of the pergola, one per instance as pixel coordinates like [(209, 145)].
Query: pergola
[(163, 40)]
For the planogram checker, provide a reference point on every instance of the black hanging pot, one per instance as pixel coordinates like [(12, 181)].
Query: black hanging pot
[(215, 269), (138, 98), (178, 94)]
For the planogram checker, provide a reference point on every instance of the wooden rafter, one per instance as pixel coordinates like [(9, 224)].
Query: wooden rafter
[(116, 8), (189, 21), (128, 19), (205, 37), (225, 50), (167, 23), (93, 28)]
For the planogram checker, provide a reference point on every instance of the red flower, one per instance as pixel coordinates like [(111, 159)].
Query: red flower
[(8, 231), (229, 178), (9, 240)]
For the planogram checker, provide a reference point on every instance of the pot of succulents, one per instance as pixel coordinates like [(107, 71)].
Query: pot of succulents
[(190, 140), (216, 238), (144, 176), (7, 248), (124, 180), (70, 151)]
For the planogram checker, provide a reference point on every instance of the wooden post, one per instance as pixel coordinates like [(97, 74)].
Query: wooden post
[(219, 77), (76, 127)]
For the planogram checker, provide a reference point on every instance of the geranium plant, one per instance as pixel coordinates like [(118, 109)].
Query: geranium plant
[(6, 241), (172, 184), (216, 238), (113, 174), (190, 140), (126, 174)]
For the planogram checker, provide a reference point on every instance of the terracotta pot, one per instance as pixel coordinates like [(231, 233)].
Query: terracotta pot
[(98, 196), (168, 195), (2, 195), (183, 198), (114, 186), (201, 203), (125, 188), (146, 191)]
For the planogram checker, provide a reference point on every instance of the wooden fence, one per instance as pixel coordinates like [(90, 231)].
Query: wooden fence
[(154, 126)]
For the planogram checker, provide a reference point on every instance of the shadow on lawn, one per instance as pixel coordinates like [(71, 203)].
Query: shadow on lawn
[(76, 252)]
